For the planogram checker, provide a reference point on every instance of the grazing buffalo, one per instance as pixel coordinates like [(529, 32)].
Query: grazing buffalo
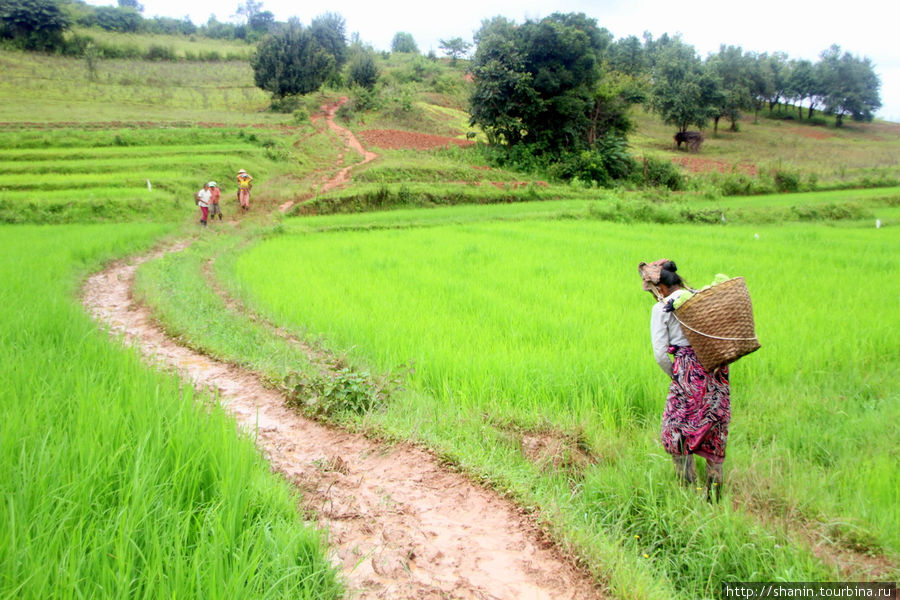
[(692, 139)]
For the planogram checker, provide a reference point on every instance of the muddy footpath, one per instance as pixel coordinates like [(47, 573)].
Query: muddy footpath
[(400, 525)]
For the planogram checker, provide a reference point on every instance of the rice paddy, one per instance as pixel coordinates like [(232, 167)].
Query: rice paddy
[(119, 481), (519, 331), (535, 326)]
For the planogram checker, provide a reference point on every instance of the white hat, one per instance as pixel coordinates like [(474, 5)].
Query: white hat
[(242, 171), (211, 184)]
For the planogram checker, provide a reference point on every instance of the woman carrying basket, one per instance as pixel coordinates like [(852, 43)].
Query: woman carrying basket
[(698, 407)]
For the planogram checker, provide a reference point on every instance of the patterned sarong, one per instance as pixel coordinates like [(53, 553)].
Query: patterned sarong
[(698, 408)]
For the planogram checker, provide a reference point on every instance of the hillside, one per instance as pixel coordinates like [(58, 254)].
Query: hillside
[(446, 389)]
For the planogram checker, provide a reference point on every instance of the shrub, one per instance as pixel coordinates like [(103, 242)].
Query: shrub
[(301, 115), (362, 71), (156, 52), (345, 391), (364, 99), (786, 181), (607, 163), (660, 173), (287, 104)]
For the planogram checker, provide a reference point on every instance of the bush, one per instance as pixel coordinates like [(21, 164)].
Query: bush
[(659, 173), (287, 104), (301, 115), (159, 53), (607, 163), (362, 71), (786, 181)]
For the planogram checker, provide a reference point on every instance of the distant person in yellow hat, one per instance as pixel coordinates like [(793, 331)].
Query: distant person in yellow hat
[(245, 184)]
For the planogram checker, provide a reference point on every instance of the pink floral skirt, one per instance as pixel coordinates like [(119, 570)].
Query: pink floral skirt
[(698, 408)]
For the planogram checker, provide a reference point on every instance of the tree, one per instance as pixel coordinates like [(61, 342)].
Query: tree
[(536, 83), (627, 55), (123, 20), (762, 81), (683, 92), (502, 90), (403, 42), (850, 86), (802, 84), (248, 10), (729, 66), (132, 4), (291, 61), (329, 31), (261, 22), (363, 71), (779, 67), (33, 24), (455, 48)]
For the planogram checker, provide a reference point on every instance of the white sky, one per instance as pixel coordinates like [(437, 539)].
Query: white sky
[(801, 29)]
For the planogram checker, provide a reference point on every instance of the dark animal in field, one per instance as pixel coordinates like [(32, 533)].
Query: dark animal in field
[(692, 139)]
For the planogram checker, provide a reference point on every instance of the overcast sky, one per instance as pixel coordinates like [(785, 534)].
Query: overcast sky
[(866, 28)]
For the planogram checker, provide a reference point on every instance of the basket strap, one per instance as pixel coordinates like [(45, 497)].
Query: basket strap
[(715, 337)]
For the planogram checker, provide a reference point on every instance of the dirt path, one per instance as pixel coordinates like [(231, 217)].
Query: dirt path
[(343, 175), (400, 525)]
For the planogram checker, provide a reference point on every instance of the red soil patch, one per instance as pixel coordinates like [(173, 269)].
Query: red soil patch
[(401, 140), (696, 164)]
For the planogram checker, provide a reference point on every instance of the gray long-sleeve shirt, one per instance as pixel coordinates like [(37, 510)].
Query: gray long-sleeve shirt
[(665, 331)]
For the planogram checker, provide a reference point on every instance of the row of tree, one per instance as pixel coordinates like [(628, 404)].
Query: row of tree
[(562, 83), (690, 92), (39, 24)]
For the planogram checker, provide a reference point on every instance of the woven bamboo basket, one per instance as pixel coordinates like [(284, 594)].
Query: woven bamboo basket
[(718, 322)]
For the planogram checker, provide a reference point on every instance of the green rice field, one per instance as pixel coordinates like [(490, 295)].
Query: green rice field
[(119, 481), (125, 171), (505, 312), (534, 325)]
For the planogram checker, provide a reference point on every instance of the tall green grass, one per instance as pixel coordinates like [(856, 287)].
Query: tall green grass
[(538, 326), (118, 481)]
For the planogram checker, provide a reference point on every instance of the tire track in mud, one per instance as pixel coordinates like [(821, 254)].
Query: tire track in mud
[(399, 524)]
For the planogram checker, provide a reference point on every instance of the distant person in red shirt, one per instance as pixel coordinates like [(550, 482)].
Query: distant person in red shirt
[(214, 194)]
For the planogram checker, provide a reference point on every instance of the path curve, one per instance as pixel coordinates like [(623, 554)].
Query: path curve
[(400, 525), (352, 142)]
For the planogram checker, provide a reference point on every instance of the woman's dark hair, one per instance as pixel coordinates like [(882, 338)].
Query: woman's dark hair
[(668, 275)]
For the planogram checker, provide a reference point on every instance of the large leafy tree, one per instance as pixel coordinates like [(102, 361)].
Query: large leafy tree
[(536, 83), (682, 92), (503, 93), (33, 24), (291, 61), (850, 86)]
